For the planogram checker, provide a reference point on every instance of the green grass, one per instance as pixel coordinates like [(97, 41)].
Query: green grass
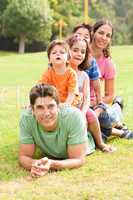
[(105, 176)]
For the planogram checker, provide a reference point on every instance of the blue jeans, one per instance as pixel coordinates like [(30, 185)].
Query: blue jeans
[(111, 116)]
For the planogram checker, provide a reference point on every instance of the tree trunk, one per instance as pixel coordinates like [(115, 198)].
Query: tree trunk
[(22, 40)]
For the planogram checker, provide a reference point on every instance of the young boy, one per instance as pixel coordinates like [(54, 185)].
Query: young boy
[(60, 74)]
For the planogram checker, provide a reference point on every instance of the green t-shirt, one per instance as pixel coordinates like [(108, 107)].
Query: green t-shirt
[(70, 130)]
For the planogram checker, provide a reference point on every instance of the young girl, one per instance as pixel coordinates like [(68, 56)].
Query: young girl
[(60, 74), (79, 62), (84, 31)]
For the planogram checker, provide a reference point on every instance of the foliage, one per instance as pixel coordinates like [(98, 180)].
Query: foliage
[(119, 12), (28, 18), (3, 5), (68, 12)]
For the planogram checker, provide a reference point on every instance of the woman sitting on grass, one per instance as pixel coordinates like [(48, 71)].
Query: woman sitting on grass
[(102, 33)]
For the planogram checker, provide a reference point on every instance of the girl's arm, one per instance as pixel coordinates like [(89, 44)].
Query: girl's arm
[(86, 95), (72, 85), (70, 98)]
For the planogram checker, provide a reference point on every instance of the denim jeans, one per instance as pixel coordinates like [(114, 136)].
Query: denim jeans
[(111, 116)]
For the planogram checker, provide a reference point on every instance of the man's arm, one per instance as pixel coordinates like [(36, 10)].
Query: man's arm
[(76, 158), (26, 152)]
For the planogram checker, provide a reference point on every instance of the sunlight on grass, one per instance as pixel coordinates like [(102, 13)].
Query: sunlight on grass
[(105, 176), (6, 53)]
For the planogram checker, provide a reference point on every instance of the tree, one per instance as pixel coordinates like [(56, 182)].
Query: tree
[(69, 11), (27, 20), (3, 5), (119, 12)]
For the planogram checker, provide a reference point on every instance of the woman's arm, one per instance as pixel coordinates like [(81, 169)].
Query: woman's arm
[(97, 89), (109, 90)]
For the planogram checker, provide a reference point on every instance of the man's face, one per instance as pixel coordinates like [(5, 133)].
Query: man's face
[(45, 111)]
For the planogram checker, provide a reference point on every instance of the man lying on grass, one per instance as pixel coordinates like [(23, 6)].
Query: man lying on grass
[(58, 130)]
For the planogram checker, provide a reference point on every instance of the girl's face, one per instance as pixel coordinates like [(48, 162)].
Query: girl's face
[(83, 33), (77, 53), (102, 37), (58, 55)]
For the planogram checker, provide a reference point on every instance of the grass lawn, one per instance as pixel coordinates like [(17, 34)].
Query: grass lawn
[(104, 177)]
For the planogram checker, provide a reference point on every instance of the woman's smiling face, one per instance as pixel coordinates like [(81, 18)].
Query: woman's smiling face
[(102, 37)]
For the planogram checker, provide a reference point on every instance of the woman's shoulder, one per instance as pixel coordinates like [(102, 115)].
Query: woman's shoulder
[(106, 62)]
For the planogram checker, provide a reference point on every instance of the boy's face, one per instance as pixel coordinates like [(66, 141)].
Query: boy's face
[(83, 33), (58, 56), (45, 111)]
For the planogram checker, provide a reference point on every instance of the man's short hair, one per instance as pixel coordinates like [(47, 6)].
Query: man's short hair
[(43, 90)]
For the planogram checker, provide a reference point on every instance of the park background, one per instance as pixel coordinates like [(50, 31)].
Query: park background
[(30, 25), (105, 176)]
